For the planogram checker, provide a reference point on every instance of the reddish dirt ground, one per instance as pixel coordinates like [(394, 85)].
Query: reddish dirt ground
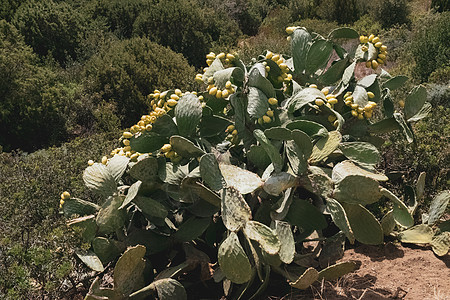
[(388, 272)]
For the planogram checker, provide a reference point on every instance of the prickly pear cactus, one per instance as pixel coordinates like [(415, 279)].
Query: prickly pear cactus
[(243, 172)]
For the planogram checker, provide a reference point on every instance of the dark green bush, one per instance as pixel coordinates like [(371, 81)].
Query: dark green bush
[(51, 28), (389, 12), (35, 256), (430, 46), (440, 5), (125, 72), (31, 101), (341, 11), (8, 8)]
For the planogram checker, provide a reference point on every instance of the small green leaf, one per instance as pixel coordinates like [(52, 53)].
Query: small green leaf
[(233, 261), (91, 260), (306, 279), (110, 217), (210, 172), (419, 234), (296, 158), (278, 133), (191, 229), (365, 226), (338, 270), (117, 165), (286, 237), (357, 189), (415, 101), (257, 103), (360, 96), (343, 33), (185, 147), (244, 181), (234, 209), (420, 186), (261, 233), (339, 218), (271, 151), (325, 146), (388, 222), (132, 193), (147, 142), (169, 289), (129, 270), (438, 206), (318, 55), (362, 153), (99, 179), (367, 81), (401, 212), (236, 75), (384, 126), (188, 113), (395, 82)]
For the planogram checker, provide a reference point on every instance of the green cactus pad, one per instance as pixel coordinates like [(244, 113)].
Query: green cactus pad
[(165, 126), (169, 289), (339, 218), (362, 153), (306, 216), (188, 113), (321, 184), (132, 193), (185, 147), (265, 236), (440, 243), (347, 167), (306, 279), (107, 250), (279, 182), (192, 229), (86, 225), (233, 261), (302, 98), (419, 234), (210, 172), (357, 189), (258, 157), (110, 217), (129, 270), (145, 170), (99, 179), (153, 242), (325, 146), (438, 206), (91, 260), (244, 181), (257, 79), (401, 213), (257, 102), (234, 209), (388, 222), (270, 149), (151, 207), (117, 166), (338, 270), (313, 129), (75, 206), (287, 242), (365, 226)]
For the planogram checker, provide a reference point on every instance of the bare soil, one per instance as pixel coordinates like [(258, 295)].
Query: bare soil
[(388, 272)]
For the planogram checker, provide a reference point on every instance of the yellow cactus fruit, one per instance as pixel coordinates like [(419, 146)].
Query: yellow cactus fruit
[(230, 128), (225, 93), (267, 69), (290, 30), (364, 48), (127, 135), (90, 162), (368, 114), (134, 156), (148, 127), (213, 91), (313, 86), (380, 61), (267, 119), (65, 195), (289, 77), (328, 105), (370, 95), (371, 37), (319, 102), (61, 203), (362, 39), (325, 91), (360, 116), (280, 61), (348, 98), (260, 121), (269, 55), (333, 101), (374, 64), (219, 94), (273, 101), (382, 56), (228, 84), (230, 56), (211, 80), (360, 110), (211, 55), (178, 92), (348, 103), (283, 65), (354, 106), (209, 62), (401, 103), (288, 38), (141, 123), (375, 40), (378, 45), (347, 94), (172, 102), (174, 97), (170, 154), (221, 55), (166, 148), (373, 104), (383, 48), (104, 160), (201, 98), (126, 149), (269, 113), (368, 64), (331, 118), (354, 113), (234, 132), (276, 57)]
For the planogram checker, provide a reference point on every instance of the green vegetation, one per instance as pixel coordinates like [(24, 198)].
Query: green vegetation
[(74, 73)]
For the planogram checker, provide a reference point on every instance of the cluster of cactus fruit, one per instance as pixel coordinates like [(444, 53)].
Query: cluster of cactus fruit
[(212, 189)]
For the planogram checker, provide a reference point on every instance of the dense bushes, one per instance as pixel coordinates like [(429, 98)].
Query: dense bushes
[(389, 12), (125, 72), (34, 241)]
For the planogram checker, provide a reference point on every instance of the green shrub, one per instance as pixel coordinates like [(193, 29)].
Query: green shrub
[(35, 244), (51, 28), (125, 72), (389, 12), (8, 8), (31, 101), (341, 11), (430, 45), (440, 5), (367, 25)]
